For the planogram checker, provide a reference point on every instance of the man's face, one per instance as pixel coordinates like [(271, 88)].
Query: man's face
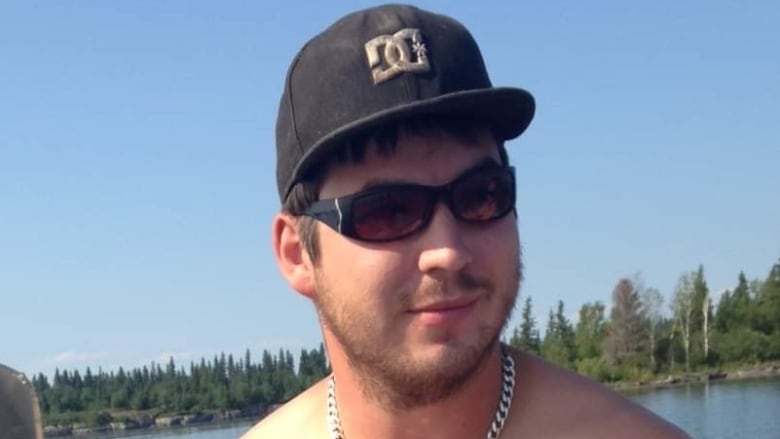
[(415, 317)]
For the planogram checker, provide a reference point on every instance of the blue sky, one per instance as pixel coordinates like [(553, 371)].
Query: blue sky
[(137, 163)]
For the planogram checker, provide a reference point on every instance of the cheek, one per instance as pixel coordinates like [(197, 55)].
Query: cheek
[(498, 242), (497, 255), (372, 273)]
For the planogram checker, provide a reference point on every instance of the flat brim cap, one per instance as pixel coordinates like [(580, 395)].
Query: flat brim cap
[(380, 65)]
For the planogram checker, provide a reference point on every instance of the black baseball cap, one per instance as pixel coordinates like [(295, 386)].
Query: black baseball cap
[(383, 64)]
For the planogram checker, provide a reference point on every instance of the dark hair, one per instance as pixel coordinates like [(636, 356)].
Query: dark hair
[(306, 191)]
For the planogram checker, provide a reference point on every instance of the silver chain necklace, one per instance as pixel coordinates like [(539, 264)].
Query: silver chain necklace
[(504, 402)]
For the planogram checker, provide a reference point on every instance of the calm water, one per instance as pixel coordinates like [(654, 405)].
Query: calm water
[(231, 431), (728, 410)]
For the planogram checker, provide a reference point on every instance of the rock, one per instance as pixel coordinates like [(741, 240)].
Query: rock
[(140, 422), (716, 376), (230, 414), (197, 419), (167, 421), (57, 430)]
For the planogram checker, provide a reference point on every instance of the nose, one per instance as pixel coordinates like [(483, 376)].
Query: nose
[(442, 243)]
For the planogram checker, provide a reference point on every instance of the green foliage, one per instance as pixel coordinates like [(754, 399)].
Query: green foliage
[(558, 345), (635, 342), (220, 384), (99, 419), (734, 309), (590, 331), (773, 346), (768, 302), (742, 344), (638, 340), (594, 368), (526, 336)]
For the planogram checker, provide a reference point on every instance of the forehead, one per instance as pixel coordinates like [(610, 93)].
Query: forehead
[(431, 158)]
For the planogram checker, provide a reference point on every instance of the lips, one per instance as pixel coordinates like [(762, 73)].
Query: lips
[(445, 312), (445, 305)]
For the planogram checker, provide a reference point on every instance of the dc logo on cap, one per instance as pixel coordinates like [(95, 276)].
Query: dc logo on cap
[(398, 56)]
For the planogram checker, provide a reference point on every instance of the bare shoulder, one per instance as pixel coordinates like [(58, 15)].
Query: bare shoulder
[(554, 402), (302, 417)]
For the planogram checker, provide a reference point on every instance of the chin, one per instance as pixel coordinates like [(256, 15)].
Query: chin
[(431, 373)]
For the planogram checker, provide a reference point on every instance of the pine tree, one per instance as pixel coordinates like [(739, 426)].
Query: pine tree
[(526, 336), (769, 302), (725, 318), (558, 343), (590, 330)]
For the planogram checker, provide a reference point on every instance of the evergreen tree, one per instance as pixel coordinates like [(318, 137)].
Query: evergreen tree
[(526, 336), (768, 315), (558, 344), (735, 309), (588, 338), (248, 363), (590, 330), (725, 318)]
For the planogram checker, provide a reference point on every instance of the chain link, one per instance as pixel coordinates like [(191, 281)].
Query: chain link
[(504, 401)]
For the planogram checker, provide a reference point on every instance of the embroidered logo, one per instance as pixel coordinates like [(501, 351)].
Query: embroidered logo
[(403, 51)]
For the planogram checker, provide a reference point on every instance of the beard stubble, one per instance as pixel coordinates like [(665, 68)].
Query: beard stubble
[(397, 382)]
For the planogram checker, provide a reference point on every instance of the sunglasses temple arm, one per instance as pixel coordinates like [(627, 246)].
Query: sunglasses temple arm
[(328, 212)]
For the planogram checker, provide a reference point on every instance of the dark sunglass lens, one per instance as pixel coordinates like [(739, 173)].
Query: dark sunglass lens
[(389, 214), (484, 196)]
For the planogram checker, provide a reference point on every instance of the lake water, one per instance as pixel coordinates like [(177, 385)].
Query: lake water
[(230, 431), (725, 410)]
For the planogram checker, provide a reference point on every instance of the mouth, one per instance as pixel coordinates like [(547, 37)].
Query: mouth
[(445, 312)]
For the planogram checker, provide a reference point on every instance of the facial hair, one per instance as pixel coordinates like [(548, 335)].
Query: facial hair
[(400, 383)]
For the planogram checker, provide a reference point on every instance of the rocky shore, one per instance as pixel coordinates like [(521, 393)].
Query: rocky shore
[(764, 371), (151, 423)]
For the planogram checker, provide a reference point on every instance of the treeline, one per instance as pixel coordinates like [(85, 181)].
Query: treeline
[(221, 384), (639, 339)]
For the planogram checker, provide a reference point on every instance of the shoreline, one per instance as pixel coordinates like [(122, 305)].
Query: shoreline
[(771, 370), (148, 424)]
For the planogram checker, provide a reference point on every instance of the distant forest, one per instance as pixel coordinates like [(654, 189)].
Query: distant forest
[(641, 337), (217, 385)]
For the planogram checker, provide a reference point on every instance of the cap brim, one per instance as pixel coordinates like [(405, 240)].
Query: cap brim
[(507, 110)]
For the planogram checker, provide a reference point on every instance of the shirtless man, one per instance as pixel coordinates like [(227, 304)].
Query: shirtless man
[(399, 224)]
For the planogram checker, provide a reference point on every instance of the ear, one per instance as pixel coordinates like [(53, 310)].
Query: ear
[(291, 256)]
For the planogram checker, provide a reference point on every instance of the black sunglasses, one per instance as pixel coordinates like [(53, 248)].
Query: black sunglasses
[(395, 211)]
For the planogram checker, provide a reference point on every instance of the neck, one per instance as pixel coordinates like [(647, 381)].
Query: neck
[(363, 416)]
